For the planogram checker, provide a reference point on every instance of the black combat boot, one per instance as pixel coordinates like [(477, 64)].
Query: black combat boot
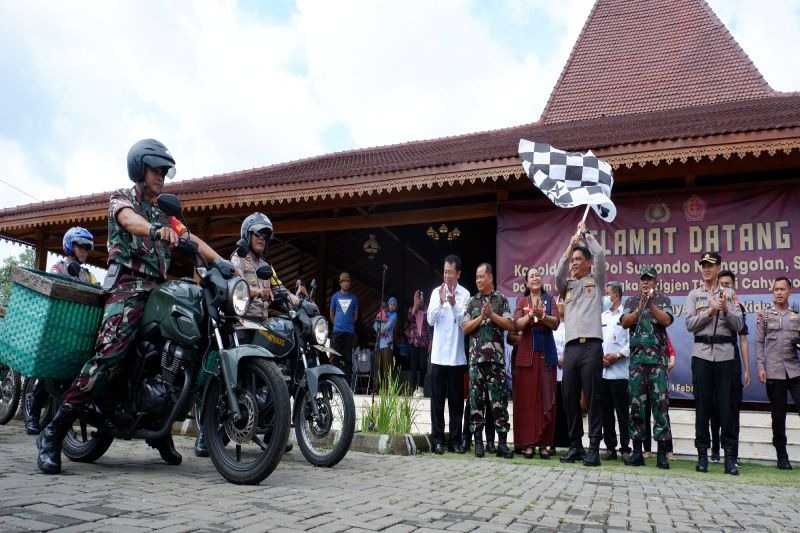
[(51, 438), (33, 407), (166, 449), (592, 457), (783, 458), (730, 463), (635, 458), (702, 460), (661, 456), (200, 447), (572, 455), (479, 451), (466, 440), (502, 447)]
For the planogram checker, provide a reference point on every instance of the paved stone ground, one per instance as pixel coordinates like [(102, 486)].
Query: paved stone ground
[(131, 490)]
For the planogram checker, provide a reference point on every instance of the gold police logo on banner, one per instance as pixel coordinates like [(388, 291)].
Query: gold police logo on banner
[(657, 213), (695, 209)]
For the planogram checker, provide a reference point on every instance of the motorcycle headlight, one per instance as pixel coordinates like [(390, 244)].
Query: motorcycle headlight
[(320, 329), (238, 296)]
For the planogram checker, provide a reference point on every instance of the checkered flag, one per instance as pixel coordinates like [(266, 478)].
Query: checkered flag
[(569, 179)]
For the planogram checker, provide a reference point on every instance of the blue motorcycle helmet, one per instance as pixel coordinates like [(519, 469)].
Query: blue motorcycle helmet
[(79, 236)]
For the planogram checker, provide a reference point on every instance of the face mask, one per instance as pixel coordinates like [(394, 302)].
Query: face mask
[(606, 303)]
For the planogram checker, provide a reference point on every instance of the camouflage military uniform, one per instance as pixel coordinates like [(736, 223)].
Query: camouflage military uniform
[(247, 266), (136, 266), (487, 375), (648, 371), (62, 269)]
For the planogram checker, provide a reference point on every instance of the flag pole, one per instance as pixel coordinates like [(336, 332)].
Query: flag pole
[(585, 213)]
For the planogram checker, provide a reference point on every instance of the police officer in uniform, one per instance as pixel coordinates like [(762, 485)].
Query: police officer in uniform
[(647, 315), (140, 241), (777, 336), (487, 316), (255, 235), (76, 244), (715, 319)]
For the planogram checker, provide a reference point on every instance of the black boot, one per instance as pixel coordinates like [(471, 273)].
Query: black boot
[(466, 441), (592, 457), (200, 447), (51, 438), (783, 458), (490, 448), (661, 457), (635, 458), (502, 447), (166, 449), (730, 463), (702, 460), (572, 455), (32, 408), (479, 451)]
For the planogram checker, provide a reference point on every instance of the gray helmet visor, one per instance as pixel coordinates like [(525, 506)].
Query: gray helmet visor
[(86, 243)]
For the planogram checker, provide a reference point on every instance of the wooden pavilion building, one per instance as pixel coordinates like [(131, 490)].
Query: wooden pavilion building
[(659, 89)]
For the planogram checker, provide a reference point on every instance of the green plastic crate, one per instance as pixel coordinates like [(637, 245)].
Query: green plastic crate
[(51, 324)]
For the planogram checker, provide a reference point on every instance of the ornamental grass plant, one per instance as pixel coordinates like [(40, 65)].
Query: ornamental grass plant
[(393, 410)]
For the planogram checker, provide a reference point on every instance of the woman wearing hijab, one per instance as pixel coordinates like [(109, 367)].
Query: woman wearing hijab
[(385, 323)]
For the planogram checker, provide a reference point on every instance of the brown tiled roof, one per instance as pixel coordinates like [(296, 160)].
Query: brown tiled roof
[(771, 113), (634, 56)]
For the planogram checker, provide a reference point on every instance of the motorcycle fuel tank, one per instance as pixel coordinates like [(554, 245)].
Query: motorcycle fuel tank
[(278, 337), (176, 309)]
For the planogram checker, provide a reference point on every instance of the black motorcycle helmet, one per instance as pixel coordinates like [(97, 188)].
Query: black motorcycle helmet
[(149, 153)]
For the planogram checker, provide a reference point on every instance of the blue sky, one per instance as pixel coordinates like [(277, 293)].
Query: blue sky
[(234, 85)]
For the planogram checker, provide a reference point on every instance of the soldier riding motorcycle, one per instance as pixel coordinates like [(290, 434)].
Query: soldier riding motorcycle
[(76, 244), (172, 340)]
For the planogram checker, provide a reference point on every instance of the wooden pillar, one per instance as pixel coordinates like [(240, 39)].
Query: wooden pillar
[(41, 251), (322, 273)]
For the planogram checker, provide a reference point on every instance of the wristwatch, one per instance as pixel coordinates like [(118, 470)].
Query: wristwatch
[(154, 228)]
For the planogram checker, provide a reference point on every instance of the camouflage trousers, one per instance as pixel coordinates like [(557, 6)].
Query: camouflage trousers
[(488, 380), (122, 316), (649, 382)]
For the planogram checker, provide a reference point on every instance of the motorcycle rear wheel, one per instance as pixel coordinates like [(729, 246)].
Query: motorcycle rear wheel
[(260, 435), (86, 444), (326, 440), (10, 393)]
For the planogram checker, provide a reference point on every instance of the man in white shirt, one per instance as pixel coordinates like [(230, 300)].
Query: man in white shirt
[(614, 386), (448, 361)]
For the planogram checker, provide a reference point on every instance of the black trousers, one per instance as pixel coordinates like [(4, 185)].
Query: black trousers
[(418, 365), (614, 395), (583, 372), (776, 392), (712, 382), (343, 343), (736, 406), (447, 382), (562, 431)]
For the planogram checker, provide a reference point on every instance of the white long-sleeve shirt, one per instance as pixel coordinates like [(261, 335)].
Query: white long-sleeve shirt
[(447, 347), (615, 340)]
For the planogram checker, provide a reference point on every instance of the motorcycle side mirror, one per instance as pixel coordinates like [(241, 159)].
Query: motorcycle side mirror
[(242, 247), (264, 272), (169, 204), (74, 269)]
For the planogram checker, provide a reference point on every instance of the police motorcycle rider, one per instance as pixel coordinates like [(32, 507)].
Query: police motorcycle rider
[(254, 237), (76, 245), (140, 241)]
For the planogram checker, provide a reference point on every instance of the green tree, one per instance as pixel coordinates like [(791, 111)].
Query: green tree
[(25, 259)]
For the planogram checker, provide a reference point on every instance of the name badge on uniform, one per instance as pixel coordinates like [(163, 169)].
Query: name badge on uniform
[(569, 295), (701, 302), (589, 285)]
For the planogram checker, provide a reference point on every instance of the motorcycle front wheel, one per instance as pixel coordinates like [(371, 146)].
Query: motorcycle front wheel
[(247, 450), (324, 439), (10, 393)]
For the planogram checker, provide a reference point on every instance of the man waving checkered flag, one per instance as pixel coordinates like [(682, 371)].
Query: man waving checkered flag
[(569, 179)]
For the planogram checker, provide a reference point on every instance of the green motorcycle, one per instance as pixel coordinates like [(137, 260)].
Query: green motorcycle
[(187, 353)]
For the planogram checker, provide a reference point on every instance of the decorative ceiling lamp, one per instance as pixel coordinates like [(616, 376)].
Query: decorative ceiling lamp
[(454, 234), (432, 233), (371, 246)]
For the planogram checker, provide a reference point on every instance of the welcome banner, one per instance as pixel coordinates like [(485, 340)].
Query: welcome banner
[(755, 230)]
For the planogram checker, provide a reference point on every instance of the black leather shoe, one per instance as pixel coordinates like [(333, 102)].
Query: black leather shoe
[(661, 457), (610, 455), (702, 461), (730, 465), (166, 449), (459, 449), (490, 448), (715, 455), (200, 447), (502, 448), (50, 441), (635, 458), (438, 449), (572, 455), (479, 450), (592, 457), (783, 459)]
